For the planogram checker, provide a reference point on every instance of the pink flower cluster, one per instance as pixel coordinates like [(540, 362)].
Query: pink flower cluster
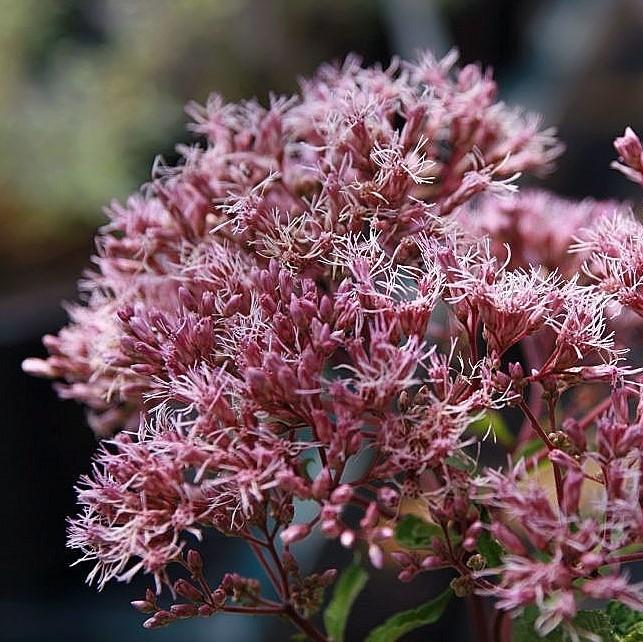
[(317, 305)]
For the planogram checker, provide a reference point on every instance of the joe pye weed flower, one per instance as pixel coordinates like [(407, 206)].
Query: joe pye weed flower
[(333, 299)]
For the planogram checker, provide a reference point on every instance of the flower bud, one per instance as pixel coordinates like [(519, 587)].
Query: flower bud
[(328, 577), (143, 606), (195, 562), (342, 494), (376, 555), (331, 527), (205, 610), (233, 305), (153, 623), (294, 533), (508, 539), (187, 590), (321, 485), (406, 574), (347, 538), (208, 301), (572, 490), (592, 561), (187, 300), (183, 610), (371, 516), (219, 597), (431, 561)]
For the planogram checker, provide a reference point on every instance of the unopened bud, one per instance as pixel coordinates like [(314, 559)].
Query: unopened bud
[(431, 561), (508, 539), (404, 401), (143, 606), (219, 597), (330, 527), (205, 610), (371, 516), (187, 300), (38, 368), (183, 610), (402, 558), (516, 371), (164, 616), (153, 623), (328, 577), (406, 575), (592, 561), (342, 494), (187, 590), (294, 533), (347, 538), (233, 305), (321, 485), (376, 556), (195, 562)]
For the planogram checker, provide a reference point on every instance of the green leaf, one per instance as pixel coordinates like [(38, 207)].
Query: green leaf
[(635, 634), (623, 618), (488, 547), (461, 462), (401, 623), (596, 622), (529, 448), (347, 588), (493, 420), (413, 532)]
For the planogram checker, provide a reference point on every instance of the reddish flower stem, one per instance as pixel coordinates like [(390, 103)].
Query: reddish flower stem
[(254, 610), (304, 625), (624, 559), (285, 586), (543, 435), (501, 627), (270, 573), (478, 618), (595, 412)]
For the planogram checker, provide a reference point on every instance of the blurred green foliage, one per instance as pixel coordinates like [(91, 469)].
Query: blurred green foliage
[(91, 90)]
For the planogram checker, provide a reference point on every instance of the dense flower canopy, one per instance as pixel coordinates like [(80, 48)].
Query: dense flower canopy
[(350, 279)]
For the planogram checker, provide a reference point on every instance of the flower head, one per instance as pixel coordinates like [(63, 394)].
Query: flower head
[(323, 304)]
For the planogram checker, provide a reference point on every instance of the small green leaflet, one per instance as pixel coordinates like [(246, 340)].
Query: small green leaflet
[(530, 448), (413, 532), (596, 622), (347, 588), (493, 422), (461, 462), (491, 550), (635, 634), (397, 625), (623, 618)]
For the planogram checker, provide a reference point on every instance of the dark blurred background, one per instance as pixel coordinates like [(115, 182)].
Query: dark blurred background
[(92, 90)]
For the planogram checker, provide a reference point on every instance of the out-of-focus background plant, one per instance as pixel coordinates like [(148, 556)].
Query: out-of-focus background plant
[(92, 90)]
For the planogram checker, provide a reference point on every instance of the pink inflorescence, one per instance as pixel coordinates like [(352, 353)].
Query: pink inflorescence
[(320, 304)]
